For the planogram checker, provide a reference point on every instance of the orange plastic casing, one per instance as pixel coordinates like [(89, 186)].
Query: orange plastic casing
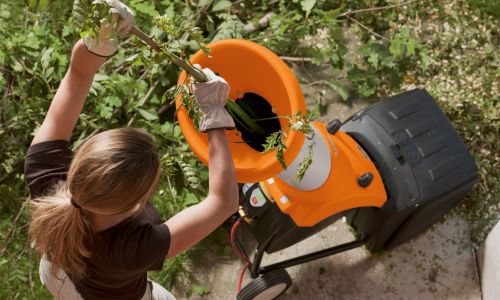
[(340, 192)]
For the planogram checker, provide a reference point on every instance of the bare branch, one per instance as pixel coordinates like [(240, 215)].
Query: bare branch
[(367, 29), (149, 93), (352, 12), (7, 175), (296, 59), (262, 24), (198, 75), (32, 285), (8, 88), (11, 230)]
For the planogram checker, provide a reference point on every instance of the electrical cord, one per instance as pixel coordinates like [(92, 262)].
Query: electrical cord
[(239, 253), (240, 279)]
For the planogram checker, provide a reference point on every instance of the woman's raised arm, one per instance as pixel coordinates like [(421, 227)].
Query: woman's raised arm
[(87, 57), (70, 96)]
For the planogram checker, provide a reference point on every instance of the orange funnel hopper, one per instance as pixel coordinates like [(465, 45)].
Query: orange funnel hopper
[(249, 68)]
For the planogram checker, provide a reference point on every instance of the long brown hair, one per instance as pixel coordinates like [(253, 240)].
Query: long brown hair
[(111, 173)]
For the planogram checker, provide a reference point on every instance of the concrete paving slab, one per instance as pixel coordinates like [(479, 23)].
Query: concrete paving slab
[(438, 264)]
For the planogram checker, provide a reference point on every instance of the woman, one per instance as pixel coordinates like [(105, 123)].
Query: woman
[(91, 218)]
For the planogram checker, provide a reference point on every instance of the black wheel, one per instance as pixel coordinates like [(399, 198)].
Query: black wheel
[(266, 287)]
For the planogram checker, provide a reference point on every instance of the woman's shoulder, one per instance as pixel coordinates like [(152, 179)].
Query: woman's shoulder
[(46, 164)]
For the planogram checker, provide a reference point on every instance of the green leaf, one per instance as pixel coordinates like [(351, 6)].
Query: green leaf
[(100, 77), (38, 5), (424, 59), (105, 111), (341, 90), (305, 164), (144, 8), (410, 46), (373, 59), (48, 72), (149, 115), (332, 14), (200, 290), (202, 3), (4, 14), (276, 141), (114, 101), (46, 57), (17, 66), (2, 83), (307, 6), (221, 5), (489, 48), (177, 131), (366, 90), (191, 199)]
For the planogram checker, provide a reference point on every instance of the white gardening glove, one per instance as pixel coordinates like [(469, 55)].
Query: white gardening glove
[(211, 97), (121, 21)]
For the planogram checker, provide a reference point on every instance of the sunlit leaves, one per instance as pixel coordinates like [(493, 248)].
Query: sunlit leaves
[(221, 5), (307, 6)]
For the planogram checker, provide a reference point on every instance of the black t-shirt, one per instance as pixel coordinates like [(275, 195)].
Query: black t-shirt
[(122, 254)]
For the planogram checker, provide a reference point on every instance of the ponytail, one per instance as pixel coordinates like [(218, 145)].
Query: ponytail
[(59, 230), (110, 173)]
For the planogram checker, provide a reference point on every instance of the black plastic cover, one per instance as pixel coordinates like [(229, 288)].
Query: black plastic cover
[(424, 164)]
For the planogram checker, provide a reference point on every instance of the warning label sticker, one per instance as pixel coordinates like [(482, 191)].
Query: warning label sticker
[(257, 199)]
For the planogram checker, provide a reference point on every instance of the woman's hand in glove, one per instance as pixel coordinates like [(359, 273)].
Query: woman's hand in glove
[(212, 96), (121, 22)]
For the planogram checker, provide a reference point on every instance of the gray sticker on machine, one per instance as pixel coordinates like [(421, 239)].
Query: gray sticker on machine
[(257, 198)]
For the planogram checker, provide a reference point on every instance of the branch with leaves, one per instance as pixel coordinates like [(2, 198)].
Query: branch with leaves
[(275, 141)]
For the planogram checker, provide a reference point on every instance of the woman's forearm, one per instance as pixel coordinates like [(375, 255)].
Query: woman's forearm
[(84, 63), (196, 222), (221, 173)]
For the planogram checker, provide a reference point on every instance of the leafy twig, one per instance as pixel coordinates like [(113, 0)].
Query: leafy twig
[(276, 140), (306, 163)]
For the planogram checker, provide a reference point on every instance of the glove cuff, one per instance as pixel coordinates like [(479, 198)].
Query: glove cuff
[(103, 48), (217, 118)]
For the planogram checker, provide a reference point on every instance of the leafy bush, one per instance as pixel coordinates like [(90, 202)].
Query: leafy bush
[(134, 90), (463, 76)]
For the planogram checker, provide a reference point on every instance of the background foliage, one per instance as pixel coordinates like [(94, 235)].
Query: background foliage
[(449, 48)]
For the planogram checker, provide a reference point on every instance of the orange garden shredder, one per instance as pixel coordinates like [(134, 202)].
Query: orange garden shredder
[(392, 169)]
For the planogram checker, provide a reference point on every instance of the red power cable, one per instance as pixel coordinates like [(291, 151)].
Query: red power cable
[(241, 255), (240, 279)]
